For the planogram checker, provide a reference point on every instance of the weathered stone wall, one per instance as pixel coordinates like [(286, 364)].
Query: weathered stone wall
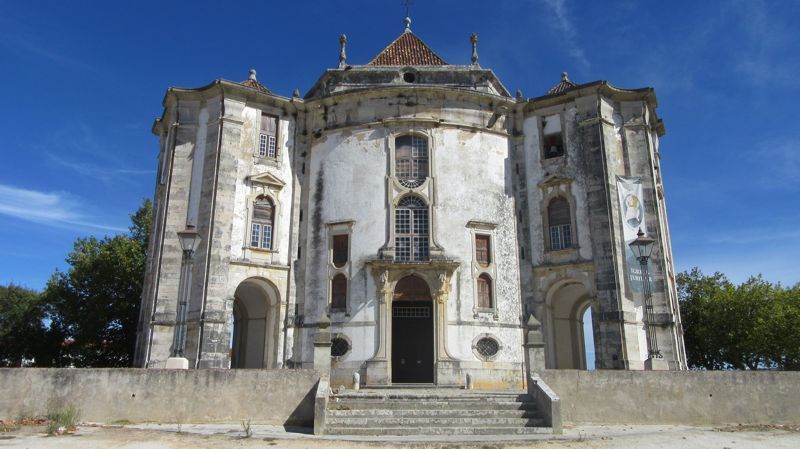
[(676, 397), (278, 397)]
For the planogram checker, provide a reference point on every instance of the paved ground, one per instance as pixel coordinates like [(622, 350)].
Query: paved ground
[(152, 436)]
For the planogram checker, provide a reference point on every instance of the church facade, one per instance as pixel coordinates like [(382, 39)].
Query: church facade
[(423, 211)]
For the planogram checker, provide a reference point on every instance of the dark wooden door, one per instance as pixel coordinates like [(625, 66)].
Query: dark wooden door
[(412, 342)]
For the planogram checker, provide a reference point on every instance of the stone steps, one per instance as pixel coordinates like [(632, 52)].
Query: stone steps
[(432, 412), (405, 431)]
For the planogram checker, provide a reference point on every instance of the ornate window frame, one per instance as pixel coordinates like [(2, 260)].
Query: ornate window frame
[(267, 185), (483, 228), (341, 227), (553, 187), (486, 358), (397, 191)]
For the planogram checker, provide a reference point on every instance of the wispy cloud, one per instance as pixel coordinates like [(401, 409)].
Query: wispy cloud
[(20, 40), (778, 164), (565, 25), (48, 208), (103, 173)]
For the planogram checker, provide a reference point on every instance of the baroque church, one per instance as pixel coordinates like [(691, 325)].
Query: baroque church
[(418, 211)]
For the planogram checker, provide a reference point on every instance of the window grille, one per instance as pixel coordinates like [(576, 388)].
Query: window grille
[(339, 347), (487, 347), (411, 230), (411, 312), (411, 160)]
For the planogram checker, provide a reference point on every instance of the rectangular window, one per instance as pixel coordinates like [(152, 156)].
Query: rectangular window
[(421, 248), (267, 142), (255, 235), (266, 242), (402, 248), (482, 250), (339, 292), (340, 249), (560, 237), (402, 221)]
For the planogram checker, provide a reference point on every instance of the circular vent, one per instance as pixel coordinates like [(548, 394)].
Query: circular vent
[(487, 347), (339, 347), (409, 77)]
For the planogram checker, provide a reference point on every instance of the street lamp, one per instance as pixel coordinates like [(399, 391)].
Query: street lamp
[(189, 241), (642, 247)]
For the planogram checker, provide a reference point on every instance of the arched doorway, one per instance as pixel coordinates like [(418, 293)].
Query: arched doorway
[(567, 306), (412, 332), (254, 330)]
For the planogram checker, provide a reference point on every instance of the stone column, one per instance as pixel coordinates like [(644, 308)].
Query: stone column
[(534, 348), (379, 367), (441, 317), (322, 347)]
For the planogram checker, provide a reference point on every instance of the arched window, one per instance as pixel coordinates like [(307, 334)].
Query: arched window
[(339, 292), (411, 230), (560, 222), (484, 291), (411, 160), (262, 224)]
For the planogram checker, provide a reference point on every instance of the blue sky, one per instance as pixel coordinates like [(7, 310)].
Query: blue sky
[(84, 80)]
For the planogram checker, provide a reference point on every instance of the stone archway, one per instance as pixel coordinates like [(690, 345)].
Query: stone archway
[(412, 332), (567, 303), (254, 342)]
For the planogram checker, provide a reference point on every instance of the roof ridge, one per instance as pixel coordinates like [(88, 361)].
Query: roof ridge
[(409, 51)]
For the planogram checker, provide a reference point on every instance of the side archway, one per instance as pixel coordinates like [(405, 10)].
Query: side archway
[(567, 303), (254, 341)]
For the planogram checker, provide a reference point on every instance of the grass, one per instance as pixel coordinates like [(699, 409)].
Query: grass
[(63, 420), (248, 432)]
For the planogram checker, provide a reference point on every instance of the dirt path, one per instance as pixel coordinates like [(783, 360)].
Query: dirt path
[(231, 436)]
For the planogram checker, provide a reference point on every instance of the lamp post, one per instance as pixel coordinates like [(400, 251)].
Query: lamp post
[(189, 241), (642, 247)]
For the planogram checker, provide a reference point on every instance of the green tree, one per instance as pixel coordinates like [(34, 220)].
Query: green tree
[(23, 333), (755, 325), (95, 303)]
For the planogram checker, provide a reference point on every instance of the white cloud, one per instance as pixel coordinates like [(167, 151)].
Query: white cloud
[(569, 31), (105, 174), (47, 208)]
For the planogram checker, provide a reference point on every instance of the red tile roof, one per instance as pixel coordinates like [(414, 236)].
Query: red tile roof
[(254, 84), (407, 49), (564, 85)]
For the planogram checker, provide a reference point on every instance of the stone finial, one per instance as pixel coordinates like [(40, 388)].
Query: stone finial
[(296, 93), (533, 323), (474, 40), (564, 76), (253, 74), (519, 94), (342, 51), (408, 23), (324, 322)]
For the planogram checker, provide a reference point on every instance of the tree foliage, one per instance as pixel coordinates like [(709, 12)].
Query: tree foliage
[(95, 303), (23, 334), (754, 325)]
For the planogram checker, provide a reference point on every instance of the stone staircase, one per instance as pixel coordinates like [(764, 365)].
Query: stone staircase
[(433, 412)]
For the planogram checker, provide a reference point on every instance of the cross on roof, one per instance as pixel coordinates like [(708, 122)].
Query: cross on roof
[(407, 4)]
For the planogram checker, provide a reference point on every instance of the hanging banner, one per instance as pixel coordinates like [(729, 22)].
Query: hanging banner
[(629, 190)]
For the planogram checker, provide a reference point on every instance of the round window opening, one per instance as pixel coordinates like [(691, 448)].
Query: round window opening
[(409, 77), (487, 347), (339, 347)]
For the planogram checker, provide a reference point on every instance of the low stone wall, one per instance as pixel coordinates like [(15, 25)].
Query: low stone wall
[(676, 397), (279, 397)]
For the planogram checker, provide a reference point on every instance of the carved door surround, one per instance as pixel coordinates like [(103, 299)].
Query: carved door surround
[(438, 275)]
